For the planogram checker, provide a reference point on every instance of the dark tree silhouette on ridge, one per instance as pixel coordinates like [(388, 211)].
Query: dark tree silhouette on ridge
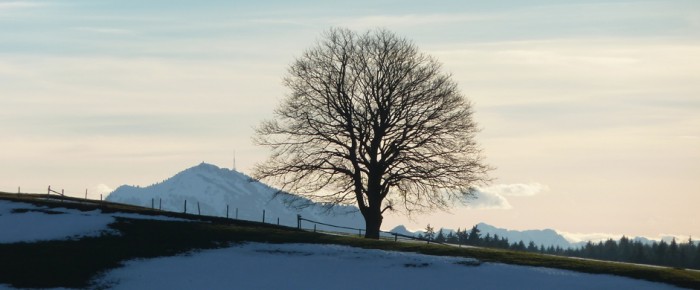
[(372, 121)]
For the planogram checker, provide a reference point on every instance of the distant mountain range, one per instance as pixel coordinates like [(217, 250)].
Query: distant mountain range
[(545, 237), (208, 189)]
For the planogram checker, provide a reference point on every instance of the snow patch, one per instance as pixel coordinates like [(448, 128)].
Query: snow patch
[(24, 222), (21, 222), (310, 266)]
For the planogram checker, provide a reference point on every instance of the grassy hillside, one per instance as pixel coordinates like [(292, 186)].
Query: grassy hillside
[(75, 263)]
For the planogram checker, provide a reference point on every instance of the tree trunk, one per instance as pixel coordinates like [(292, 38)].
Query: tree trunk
[(373, 221)]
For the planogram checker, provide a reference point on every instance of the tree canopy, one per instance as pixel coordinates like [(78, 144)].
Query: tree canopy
[(372, 121)]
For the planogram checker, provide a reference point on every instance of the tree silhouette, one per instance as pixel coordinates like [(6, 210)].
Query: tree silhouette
[(372, 121), (440, 238), (474, 236), (429, 233)]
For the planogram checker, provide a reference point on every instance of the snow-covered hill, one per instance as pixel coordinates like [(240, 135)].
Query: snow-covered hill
[(306, 266), (214, 188), (28, 223), (287, 266)]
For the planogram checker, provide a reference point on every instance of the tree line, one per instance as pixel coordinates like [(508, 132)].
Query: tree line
[(672, 254)]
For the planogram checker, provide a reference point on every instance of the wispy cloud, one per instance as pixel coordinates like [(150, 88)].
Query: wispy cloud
[(488, 200), (102, 189), (517, 189), (105, 30), (494, 197), (409, 20), (19, 5)]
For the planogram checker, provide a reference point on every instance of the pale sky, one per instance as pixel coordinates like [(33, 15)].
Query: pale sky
[(590, 109)]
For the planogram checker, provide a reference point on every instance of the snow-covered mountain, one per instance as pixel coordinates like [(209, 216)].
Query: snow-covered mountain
[(545, 237), (214, 188)]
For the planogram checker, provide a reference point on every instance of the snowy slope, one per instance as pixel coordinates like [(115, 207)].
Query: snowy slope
[(291, 266), (215, 188), (305, 266), (24, 222)]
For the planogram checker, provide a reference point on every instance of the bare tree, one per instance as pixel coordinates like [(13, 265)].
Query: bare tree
[(371, 120)]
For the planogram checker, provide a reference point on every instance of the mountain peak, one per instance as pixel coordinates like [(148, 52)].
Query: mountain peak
[(208, 167), (214, 190), (205, 165)]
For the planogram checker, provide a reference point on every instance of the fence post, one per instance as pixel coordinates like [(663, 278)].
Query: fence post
[(153, 203), (62, 194), (185, 206), (298, 221), (227, 211), (278, 221), (359, 232), (49, 191), (396, 237), (86, 193), (314, 228), (100, 196), (263, 216), (18, 190), (236, 213), (160, 203)]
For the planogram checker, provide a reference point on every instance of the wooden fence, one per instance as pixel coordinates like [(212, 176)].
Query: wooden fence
[(62, 197)]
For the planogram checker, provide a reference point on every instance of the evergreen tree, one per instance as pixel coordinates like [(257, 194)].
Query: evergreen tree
[(660, 253), (625, 249), (638, 253), (474, 237), (531, 247), (610, 250), (505, 244), (685, 253), (696, 259), (487, 241), (462, 236), (451, 238), (440, 238), (558, 250), (674, 258), (519, 246), (588, 250)]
